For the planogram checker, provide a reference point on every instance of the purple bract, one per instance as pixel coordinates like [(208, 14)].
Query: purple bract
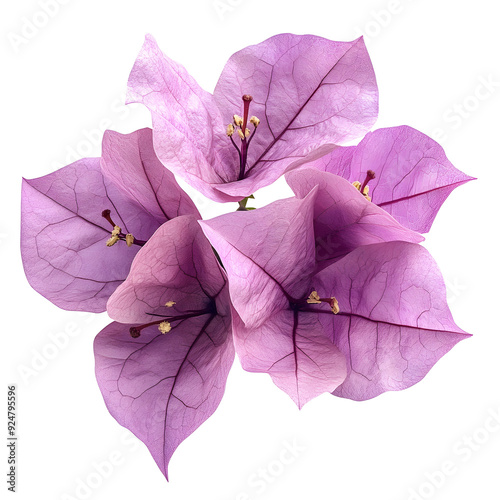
[(298, 96), (328, 291), (163, 373), (343, 219), (375, 320), (413, 176), (64, 233)]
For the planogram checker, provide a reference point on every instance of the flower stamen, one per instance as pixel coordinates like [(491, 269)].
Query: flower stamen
[(164, 324), (129, 240), (112, 240), (254, 121), (239, 125), (364, 188), (164, 327), (247, 99), (314, 298), (107, 215), (238, 120), (117, 235)]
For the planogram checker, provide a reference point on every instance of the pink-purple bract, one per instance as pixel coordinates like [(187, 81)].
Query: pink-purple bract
[(309, 94), (162, 386), (413, 176), (64, 234), (343, 218), (391, 325), (328, 292)]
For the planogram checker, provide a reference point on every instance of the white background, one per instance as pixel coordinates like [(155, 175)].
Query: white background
[(62, 86)]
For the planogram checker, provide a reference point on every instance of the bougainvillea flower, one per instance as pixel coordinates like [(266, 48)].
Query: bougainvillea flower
[(82, 225), (394, 323), (269, 255), (406, 172), (379, 314), (288, 98), (164, 373), (343, 218)]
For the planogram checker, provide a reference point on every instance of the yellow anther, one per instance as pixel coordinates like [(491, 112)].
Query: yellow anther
[(170, 303), (254, 121), (334, 304), (314, 298), (238, 120), (247, 132), (129, 240), (230, 130), (240, 133), (112, 240), (164, 327), (357, 185), (116, 231)]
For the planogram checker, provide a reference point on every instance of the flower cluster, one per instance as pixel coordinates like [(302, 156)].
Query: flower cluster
[(328, 291)]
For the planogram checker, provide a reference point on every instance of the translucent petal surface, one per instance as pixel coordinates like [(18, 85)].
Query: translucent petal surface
[(176, 265), (413, 175), (394, 323), (129, 161), (63, 233), (269, 258), (163, 386), (343, 218), (268, 254), (308, 92), (189, 134), (293, 348)]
